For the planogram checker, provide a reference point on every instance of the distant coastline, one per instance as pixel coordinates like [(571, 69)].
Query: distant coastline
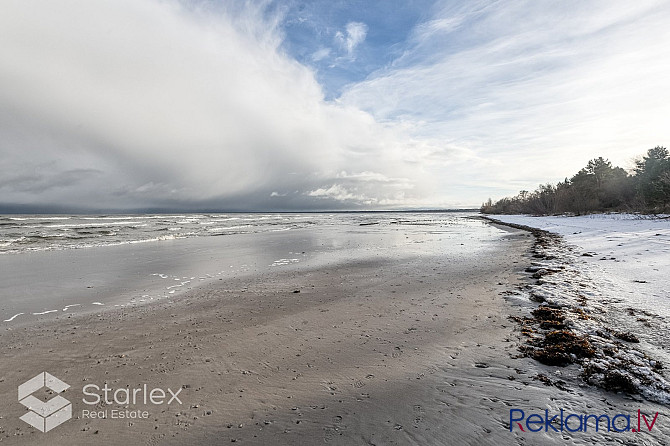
[(39, 209)]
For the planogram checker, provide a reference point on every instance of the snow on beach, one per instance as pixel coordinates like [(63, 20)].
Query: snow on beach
[(629, 252), (605, 280)]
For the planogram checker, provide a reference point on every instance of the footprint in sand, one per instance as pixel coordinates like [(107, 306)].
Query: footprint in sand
[(331, 432), (420, 412)]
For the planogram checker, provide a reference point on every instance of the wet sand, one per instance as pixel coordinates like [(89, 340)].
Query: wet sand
[(413, 351)]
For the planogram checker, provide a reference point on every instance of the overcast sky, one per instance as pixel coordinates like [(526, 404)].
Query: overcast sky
[(268, 105)]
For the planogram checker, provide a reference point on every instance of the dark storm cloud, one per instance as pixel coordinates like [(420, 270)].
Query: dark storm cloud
[(150, 103), (39, 182)]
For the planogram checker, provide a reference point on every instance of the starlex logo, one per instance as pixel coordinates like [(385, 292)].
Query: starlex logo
[(45, 415)]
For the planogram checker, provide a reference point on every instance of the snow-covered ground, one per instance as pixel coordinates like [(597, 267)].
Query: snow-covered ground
[(616, 268), (629, 252)]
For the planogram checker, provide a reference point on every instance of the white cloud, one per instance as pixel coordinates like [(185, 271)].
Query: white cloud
[(530, 91), (354, 35), (149, 103), (122, 103), (320, 54)]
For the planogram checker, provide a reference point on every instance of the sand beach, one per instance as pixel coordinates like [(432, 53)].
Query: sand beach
[(408, 347)]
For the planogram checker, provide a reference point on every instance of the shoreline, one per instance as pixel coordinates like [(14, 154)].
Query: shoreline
[(417, 351), (41, 284), (568, 323)]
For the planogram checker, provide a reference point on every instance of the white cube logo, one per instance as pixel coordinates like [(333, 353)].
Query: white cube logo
[(45, 415)]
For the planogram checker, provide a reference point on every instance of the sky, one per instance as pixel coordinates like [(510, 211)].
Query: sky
[(122, 105)]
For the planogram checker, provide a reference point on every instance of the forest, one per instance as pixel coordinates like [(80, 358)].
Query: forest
[(598, 187)]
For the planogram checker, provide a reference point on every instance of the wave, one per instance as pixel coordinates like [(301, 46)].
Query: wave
[(33, 233), (89, 225), (37, 218), (135, 217)]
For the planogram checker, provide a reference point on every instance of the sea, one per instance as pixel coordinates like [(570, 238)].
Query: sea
[(52, 265), (24, 233)]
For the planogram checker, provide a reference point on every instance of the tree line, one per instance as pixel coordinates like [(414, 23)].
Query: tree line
[(598, 187)]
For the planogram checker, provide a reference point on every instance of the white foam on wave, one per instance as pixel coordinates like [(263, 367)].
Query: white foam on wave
[(13, 317), (92, 225), (45, 312), (131, 229), (8, 242), (38, 218), (227, 228), (70, 306), (135, 217), (96, 245), (282, 262)]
